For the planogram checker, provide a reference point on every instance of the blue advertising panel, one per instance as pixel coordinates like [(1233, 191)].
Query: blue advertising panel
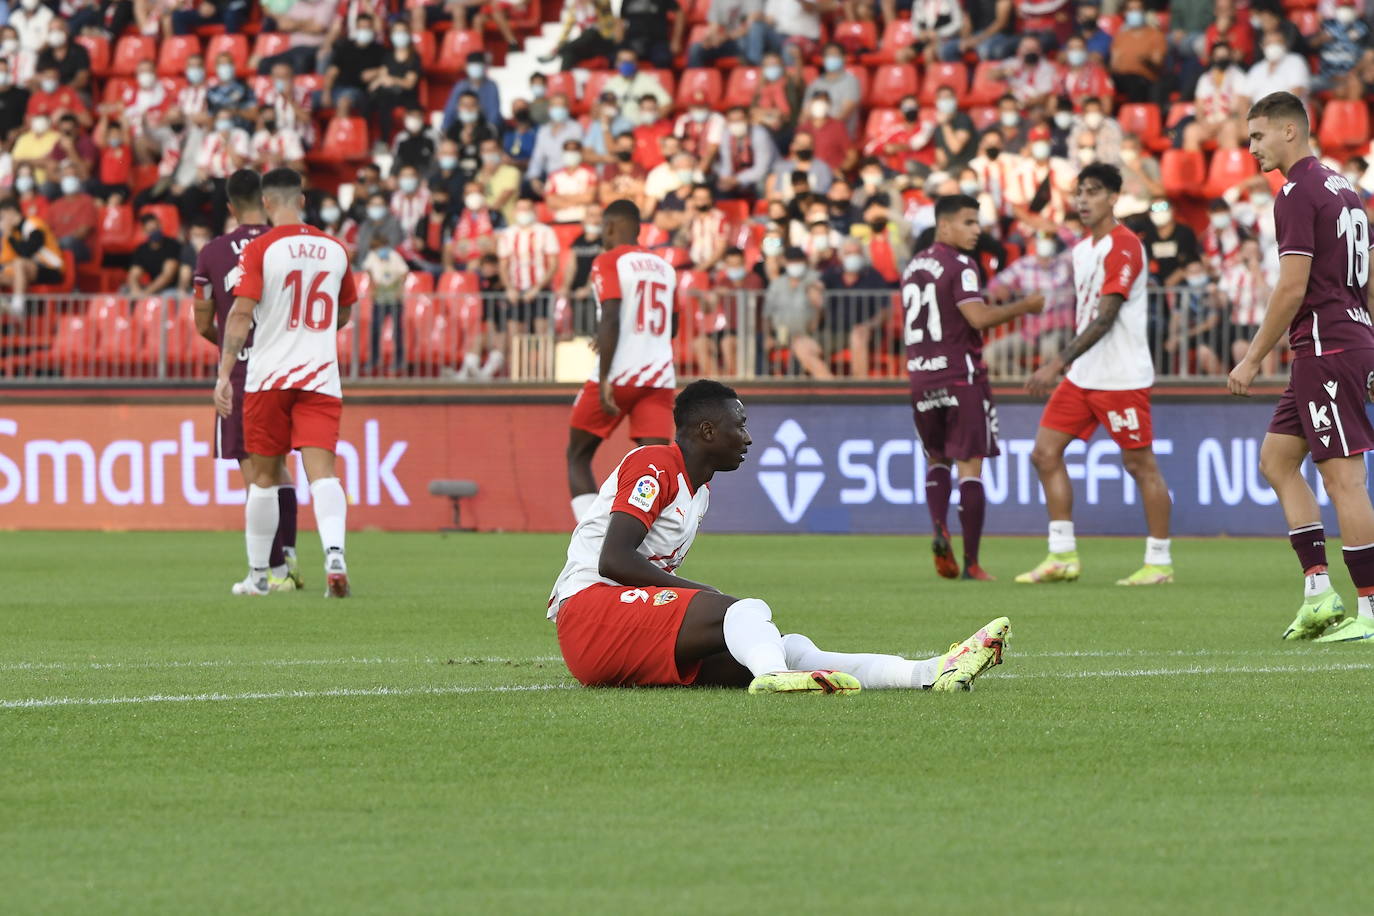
[(841, 468)]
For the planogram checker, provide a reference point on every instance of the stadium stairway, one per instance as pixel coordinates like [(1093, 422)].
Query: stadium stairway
[(513, 78)]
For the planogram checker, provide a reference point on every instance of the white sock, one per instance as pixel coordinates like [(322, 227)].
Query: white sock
[(1315, 584), (331, 512), (260, 516), (582, 504), (1061, 538), (289, 552), (752, 639), (1157, 552), (280, 571), (875, 672), (1365, 609)]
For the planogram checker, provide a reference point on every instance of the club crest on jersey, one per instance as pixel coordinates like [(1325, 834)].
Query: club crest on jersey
[(644, 492), (667, 596)]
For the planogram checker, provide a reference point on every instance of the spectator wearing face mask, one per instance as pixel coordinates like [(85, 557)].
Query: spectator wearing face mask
[(1170, 246), (1221, 99), (747, 155), (705, 229), (198, 235), (51, 98), (549, 142), (1031, 79), (802, 159), (1280, 70), (1040, 192), (520, 138), (1232, 29), (1140, 180), (293, 104), (575, 286), (500, 180), (727, 25), (840, 88), (700, 129), (1012, 126), (70, 60), (1138, 53), (475, 81), (607, 123), (529, 257), (410, 202), (1245, 287), (599, 31), (903, 141), (1047, 269), (155, 261), (1194, 338), (354, 61), (31, 21), (14, 102), (378, 221), (670, 174), (274, 146), (829, 139), (415, 144), (856, 302), (777, 98), (655, 141), (1222, 239), (307, 24), (792, 311), (572, 187), (73, 217), (622, 177), (35, 146), (227, 94), (1084, 78), (339, 224), (388, 271), (1105, 132), (395, 86), (953, 136), (470, 131), (733, 288), (630, 85)]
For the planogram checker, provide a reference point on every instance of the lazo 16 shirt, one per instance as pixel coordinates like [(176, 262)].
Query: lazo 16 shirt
[(300, 278), (1113, 264), (650, 484), (646, 286), (942, 348), (1318, 215)]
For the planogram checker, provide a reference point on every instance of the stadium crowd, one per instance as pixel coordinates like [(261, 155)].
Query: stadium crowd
[(787, 151)]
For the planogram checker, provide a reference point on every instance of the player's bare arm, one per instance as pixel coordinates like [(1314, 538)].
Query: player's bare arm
[(236, 328), (621, 560), (205, 320), (1047, 376), (345, 313), (1284, 302), (607, 338), (983, 316)]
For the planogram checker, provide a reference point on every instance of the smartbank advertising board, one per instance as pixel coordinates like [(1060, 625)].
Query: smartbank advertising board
[(814, 467)]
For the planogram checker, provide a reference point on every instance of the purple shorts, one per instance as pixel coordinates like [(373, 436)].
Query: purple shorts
[(229, 430), (956, 421), (1325, 404)]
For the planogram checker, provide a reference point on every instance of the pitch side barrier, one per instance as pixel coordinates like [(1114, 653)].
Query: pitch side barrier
[(826, 458)]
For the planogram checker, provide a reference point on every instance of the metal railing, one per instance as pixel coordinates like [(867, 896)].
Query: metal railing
[(482, 338)]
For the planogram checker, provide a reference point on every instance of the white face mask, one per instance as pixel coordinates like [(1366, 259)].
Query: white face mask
[(1076, 57), (147, 80), (477, 71), (524, 217), (408, 184), (225, 72), (771, 246), (1260, 201), (1010, 118), (1160, 218), (1346, 15), (57, 39), (648, 115), (946, 105), (1040, 149), (4, 78), (9, 47), (820, 243), (48, 86), (571, 159), (1087, 155), (29, 5), (330, 215), (591, 230), (684, 176), (474, 201), (971, 188), (700, 115), (1197, 280), (820, 109), (400, 39), (739, 128), (1134, 19), (872, 179), (1130, 155), (1063, 119), (1274, 52), (1220, 221), (376, 213), (70, 184), (735, 274), (468, 115), (40, 125), (23, 184), (415, 125), (1044, 249), (1093, 119), (853, 263), (364, 36), (224, 125), (795, 269), (195, 75)]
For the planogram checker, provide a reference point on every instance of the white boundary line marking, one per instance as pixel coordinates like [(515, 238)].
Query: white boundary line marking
[(1197, 669)]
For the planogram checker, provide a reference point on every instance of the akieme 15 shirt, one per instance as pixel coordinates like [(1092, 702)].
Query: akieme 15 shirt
[(1120, 360), (646, 286), (1317, 214)]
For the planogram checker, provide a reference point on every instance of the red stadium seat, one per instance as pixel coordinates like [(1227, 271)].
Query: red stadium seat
[(856, 37), (270, 44), (1345, 123), (72, 345), (114, 335), (68, 283), (581, 104), (98, 48), (453, 282), (899, 35), (175, 50), (988, 87), (880, 121), (1229, 167), (736, 211), (1182, 172), (311, 82), (167, 215), (984, 116), (697, 11), (891, 83), (1143, 121), (131, 51), (1109, 24), (117, 232), (1307, 21), (705, 80), (427, 49), (150, 321), (740, 87), (953, 75), (564, 83), (345, 140), (1177, 112), (418, 281), (665, 78), (453, 53), (236, 46)]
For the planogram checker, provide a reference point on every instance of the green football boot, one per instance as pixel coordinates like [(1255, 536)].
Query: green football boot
[(1316, 614)]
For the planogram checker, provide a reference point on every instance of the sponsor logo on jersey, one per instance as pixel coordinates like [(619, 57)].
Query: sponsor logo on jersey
[(939, 397), (970, 279), (1289, 187), (797, 477), (644, 492), (667, 596), (1321, 416), (922, 364), (1331, 388)]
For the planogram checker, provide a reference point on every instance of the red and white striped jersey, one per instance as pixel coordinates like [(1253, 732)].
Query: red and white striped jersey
[(278, 148), (1247, 293), (704, 233), (299, 277), (651, 484), (525, 252), (220, 155), (409, 209), (646, 286), (191, 100)]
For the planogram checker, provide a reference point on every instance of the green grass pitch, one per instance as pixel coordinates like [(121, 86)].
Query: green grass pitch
[(165, 748)]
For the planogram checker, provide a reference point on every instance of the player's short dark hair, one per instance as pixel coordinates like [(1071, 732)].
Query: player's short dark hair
[(699, 401), (1280, 106), (732, 252), (244, 189), (621, 209), (951, 204), (1108, 175), (282, 181)]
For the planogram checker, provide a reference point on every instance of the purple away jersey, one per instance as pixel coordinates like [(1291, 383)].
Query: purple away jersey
[(942, 348), (217, 273), (1319, 215)]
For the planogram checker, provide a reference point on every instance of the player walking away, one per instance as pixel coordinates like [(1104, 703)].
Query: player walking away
[(635, 291), (1322, 296), (215, 278), (951, 400), (294, 291), (624, 618), (1108, 382)]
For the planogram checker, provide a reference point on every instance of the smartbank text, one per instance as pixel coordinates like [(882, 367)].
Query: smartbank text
[(177, 469)]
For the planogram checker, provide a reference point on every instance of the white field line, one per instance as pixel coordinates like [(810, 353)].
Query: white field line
[(47, 702), (543, 659)]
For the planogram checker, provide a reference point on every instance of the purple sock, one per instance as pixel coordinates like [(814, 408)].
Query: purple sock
[(1309, 543), (1360, 562), (973, 504), (286, 525), (938, 487)]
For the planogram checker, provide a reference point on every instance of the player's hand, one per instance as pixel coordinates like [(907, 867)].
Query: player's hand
[(1241, 377), (1043, 380), (608, 404), (224, 397), (1035, 304)]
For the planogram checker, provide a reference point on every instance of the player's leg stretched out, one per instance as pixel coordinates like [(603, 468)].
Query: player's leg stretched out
[(262, 513), (972, 511), (284, 571)]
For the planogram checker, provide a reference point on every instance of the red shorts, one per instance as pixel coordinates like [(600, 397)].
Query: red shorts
[(276, 421), (1076, 412), (650, 411), (617, 636)]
